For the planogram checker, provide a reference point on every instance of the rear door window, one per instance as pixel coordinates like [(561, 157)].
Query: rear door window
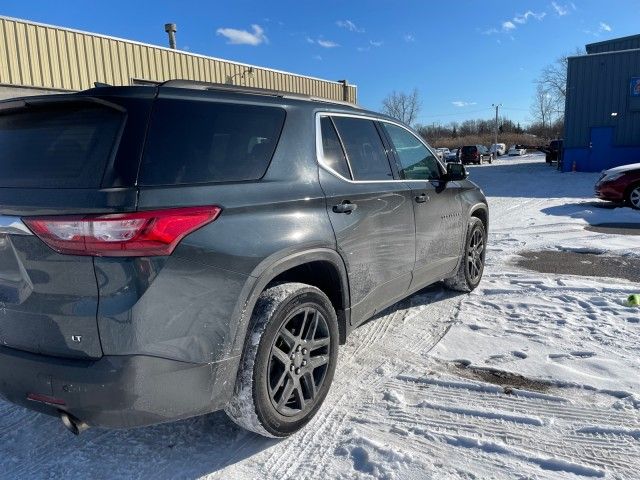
[(364, 148), (62, 146), (192, 142)]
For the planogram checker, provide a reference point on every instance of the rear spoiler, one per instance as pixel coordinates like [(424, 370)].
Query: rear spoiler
[(46, 100)]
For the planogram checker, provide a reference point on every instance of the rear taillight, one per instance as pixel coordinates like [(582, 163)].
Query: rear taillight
[(149, 233)]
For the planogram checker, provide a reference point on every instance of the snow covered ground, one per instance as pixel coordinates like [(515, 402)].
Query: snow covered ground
[(530, 376)]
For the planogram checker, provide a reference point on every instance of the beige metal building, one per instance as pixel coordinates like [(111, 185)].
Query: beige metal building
[(37, 58)]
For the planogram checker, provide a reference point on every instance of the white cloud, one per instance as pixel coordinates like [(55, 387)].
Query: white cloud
[(409, 38), (327, 43), (605, 27), (522, 19), (363, 49), (375, 44), (460, 103), (244, 37), (510, 25), (561, 10), (310, 40), (349, 25), (317, 57)]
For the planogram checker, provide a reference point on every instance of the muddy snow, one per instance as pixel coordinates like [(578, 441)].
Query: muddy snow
[(531, 376)]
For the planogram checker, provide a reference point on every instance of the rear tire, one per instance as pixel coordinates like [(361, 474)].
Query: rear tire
[(471, 266), (288, 363), (633, 197)]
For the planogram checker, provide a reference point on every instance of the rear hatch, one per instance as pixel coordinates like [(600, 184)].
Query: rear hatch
[(61, 155), (469, 152)]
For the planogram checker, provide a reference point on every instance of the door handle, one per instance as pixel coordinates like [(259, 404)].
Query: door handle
[(422, 198), (345, 207)]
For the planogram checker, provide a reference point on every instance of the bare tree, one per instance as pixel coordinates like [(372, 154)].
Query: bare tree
[(403, 106), (543, 106), (553, 80)]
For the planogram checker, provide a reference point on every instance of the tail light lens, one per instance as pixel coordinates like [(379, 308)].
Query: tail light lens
[(149, 233)]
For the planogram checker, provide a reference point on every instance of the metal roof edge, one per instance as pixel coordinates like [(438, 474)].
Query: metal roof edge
[(612, 40), (587, 55), (119, 39)]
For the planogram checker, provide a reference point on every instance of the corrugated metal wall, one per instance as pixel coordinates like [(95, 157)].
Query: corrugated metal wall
[(43, 56), (624, 43), (597, 86)]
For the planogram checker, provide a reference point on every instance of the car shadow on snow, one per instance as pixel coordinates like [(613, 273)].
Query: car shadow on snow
[(532, 178), (427, 295), (597, 212), (192, 448)]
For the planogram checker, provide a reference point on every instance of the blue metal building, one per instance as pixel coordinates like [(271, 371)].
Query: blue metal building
[(602, 110)]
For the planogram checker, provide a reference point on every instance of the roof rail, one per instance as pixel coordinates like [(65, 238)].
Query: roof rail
[(198, 85)]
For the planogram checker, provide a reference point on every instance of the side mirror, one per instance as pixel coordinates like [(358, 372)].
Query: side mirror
[(456, 171)]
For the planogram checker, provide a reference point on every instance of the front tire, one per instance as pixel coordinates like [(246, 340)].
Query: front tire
[(633, 197), (471, 267), (288, 363)]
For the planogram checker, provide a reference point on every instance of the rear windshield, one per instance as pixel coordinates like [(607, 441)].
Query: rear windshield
[(63, 146), (469, 149), (203, 142)]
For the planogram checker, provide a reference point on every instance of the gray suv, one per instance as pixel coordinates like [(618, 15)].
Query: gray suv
[(168, 251)]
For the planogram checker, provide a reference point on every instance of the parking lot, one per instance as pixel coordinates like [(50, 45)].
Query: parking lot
[(532, 375)]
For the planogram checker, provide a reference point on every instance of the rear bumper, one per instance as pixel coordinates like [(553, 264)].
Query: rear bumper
[(117, 391)]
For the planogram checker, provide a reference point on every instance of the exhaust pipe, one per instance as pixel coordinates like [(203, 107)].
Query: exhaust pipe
[(73, 424)]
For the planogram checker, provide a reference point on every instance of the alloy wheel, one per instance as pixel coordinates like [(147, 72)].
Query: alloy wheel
[(475, 255), (634, 197), (299, 361)]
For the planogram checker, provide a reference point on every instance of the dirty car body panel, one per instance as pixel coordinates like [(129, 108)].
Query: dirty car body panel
[(124, 341)]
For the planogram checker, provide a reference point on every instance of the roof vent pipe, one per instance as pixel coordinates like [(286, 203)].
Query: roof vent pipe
[(171, 29)]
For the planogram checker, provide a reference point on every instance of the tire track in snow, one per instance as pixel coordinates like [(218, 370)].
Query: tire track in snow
[(479, 417)]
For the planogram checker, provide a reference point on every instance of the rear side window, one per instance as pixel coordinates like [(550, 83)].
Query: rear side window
[(202, 142), (332, 152), (365, 151), (469, 149), (62, 146)]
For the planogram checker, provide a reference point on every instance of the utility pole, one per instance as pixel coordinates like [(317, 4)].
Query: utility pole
[(497, 106)]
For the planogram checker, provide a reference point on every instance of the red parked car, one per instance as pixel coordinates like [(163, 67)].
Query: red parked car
[(621, 184), (475, 154)]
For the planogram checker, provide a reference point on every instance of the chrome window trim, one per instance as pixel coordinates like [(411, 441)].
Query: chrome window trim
[(13, 226), (320, 152)]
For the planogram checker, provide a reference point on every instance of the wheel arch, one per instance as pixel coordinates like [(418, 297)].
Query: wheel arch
[(481, 211), (298, 266)]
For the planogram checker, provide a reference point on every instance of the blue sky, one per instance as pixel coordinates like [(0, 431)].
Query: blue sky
[(462, 55)]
